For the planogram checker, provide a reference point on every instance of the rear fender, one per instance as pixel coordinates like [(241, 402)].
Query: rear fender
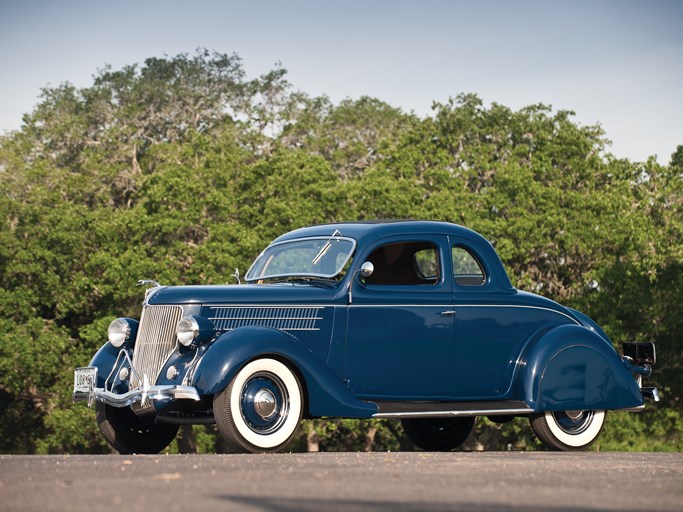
[(327, 395), (574, 368)]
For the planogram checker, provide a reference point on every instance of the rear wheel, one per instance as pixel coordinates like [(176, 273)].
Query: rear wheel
[(261, 408), (568, 430), (129, 433), (438, 434)]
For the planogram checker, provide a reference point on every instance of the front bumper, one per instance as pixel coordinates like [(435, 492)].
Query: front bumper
[(163, 393), (85, 390)]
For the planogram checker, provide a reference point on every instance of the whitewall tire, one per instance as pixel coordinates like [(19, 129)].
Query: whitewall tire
[(568, 430), (261, 408)]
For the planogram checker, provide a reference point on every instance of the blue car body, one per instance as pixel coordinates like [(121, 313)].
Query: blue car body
[(419, 337)]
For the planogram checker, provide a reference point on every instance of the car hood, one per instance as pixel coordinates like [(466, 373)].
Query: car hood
[(284, 293)]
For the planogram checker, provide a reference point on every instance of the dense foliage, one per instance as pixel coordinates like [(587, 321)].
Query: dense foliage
[(182, 169)]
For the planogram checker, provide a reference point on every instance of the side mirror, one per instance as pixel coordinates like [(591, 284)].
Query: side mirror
[(366, 269)]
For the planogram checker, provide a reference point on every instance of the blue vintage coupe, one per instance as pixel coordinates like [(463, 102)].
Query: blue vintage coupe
[(413, 320)]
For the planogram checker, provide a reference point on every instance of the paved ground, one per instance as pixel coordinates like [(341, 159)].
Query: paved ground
[(349, 482)]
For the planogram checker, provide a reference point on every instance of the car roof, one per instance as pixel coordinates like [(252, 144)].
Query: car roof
[(375, 229)]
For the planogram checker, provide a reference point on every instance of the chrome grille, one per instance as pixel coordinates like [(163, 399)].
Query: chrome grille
[(284, 318), (155, 341)]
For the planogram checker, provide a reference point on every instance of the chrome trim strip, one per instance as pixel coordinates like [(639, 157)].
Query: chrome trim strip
[(516, 306), (456, 306), (447, 414), (450, 305), (150, 293), (138, 395), (400, 306), (274, 306)]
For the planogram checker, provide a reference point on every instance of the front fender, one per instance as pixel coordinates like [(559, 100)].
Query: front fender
[(327, 395), (574, 368), (104, 359)]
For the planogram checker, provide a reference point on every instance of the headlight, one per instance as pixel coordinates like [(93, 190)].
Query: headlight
[(122, 330), (194, 330), (187, 330)]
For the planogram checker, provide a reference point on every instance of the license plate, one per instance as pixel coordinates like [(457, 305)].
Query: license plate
[(85, 379)]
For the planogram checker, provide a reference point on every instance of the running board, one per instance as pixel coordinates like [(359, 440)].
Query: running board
[(448, 409)]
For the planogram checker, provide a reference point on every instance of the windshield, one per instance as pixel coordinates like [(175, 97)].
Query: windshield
[(319, 257)]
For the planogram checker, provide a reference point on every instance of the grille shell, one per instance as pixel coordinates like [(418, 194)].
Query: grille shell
[(155, 342)]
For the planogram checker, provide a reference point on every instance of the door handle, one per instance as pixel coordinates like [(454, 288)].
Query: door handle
[(448, 313)]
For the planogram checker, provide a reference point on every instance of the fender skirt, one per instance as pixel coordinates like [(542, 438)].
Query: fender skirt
[(573, 368), (326, 392)]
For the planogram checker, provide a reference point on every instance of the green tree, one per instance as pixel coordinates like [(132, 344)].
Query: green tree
[(182, 169)]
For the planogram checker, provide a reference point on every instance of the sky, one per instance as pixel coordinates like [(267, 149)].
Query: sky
[(616, 63)]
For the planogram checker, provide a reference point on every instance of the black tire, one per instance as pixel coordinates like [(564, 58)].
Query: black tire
[(438, 434), (261, 408), (129, 433), (568, 430)]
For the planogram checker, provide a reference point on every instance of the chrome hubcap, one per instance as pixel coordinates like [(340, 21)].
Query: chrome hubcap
[(265, 403), (573, 422)]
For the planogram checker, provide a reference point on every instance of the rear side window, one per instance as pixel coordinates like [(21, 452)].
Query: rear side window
[(466, 269)]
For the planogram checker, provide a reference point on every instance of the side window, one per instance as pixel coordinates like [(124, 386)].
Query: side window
[(466, 269), (426, 264), (405, 263)]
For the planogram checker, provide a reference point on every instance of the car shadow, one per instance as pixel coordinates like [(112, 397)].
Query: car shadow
[(350, 505)]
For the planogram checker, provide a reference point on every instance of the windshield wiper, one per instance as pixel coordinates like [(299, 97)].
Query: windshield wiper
[(314, 280), (326, 247)]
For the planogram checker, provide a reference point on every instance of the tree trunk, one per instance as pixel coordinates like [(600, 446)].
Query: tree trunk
[(369, 439), (188, 441), (312, 440)]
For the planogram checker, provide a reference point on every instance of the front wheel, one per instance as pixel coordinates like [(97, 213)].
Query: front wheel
[(438, 434), (261, 408), (129, 433), (568, 430)]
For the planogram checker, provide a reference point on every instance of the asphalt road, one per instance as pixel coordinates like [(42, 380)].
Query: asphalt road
[(349, 482)]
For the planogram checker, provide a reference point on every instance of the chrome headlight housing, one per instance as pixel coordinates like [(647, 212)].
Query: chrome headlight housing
[(122, 331), (194, 330)]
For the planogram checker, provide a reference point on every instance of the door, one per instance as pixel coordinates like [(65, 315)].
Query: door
[(400, 323)]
